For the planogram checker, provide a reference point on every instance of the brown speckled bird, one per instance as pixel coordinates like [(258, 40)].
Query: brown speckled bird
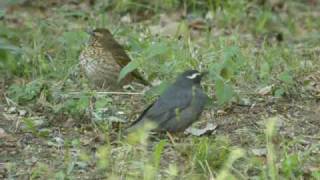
[(102, 60)]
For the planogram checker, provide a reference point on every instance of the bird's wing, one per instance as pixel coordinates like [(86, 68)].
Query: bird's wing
[(123, 59), (164, 108), (188, 115), (173, 101), (119, 54)]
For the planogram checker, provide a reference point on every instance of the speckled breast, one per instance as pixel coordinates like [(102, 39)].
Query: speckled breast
[(100, 68)]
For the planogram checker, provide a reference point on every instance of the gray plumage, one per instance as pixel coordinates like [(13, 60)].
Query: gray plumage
[(178, 107)]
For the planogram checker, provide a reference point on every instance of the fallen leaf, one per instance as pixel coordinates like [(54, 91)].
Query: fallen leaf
[(12, 110), (198, 24), (126, 19), (221, 112), (85, 141), (265, 90), (114, 119), (259, 151), (311, 83), (3, 170), (245, 102), (200, 132), (69, 123), (22, 112), (3, 133), (120, 112)]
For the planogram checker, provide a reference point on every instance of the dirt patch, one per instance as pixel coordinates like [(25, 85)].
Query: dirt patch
[(244, 125)]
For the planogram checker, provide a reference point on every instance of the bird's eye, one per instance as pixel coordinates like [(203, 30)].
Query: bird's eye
[(193, 76)]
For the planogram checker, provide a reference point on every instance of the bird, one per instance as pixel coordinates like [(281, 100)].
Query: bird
[(177, 108), (102, 60)]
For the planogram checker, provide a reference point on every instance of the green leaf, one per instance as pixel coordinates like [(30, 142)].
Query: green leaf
[(224, 92), (127, 69), (226, 73), (6, 45), (232, 62), (60, 175), (45, 132), (286, 77), (83, 103), (30, 125), (230, 52), (25, 93), (156, 49), (158, 152), (72, 39), (316, 174), (103, 154), (291, 165), (102, 103), (2, 13), (265, 70), (279, 92)]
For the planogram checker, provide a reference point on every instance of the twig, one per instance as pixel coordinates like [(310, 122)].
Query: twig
[(9, 101), (106, 93)]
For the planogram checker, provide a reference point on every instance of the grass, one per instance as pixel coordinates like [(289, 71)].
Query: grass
[(241, 48)]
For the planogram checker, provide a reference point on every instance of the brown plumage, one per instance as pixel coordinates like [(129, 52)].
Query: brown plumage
[(103, 59)]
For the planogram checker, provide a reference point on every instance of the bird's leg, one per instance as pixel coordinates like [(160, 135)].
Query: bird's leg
[(171, 138)]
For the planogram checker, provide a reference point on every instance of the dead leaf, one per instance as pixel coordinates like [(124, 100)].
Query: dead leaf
[(259, 151), (12, 110), (3, 134), (221, 112), (198, 24), (85, 141), (200, 132), (3, 170), (265, 90), (6, 137), (312, 83), (22, 112), (308, 169), (126, 19), (69, 123)]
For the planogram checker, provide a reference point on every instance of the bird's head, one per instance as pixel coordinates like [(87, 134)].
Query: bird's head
[(99, 35), (190, 77)]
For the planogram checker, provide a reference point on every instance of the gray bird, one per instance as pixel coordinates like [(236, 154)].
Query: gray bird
[(177, 108)]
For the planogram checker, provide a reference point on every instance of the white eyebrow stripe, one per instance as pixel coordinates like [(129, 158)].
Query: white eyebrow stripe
[(193, 75)]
